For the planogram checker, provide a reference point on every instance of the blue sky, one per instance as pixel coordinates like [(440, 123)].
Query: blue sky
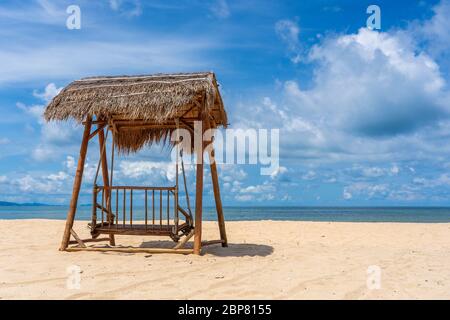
[(363, 115)]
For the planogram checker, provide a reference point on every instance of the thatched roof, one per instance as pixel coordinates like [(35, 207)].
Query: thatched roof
[(152, 99)]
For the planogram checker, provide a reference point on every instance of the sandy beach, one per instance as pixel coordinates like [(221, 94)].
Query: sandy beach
[(265, 260)]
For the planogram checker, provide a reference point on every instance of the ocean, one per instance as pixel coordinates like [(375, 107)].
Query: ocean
[(349, 214)]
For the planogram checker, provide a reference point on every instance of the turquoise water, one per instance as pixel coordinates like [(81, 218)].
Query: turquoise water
[(367, 214)]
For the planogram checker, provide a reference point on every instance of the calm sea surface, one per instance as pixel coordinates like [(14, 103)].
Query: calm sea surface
[(360, 214)]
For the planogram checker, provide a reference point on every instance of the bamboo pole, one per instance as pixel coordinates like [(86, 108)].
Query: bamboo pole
[(185, 240), (218, 200), (133, 250), (199, 195), (216, 189), (77, 238), (104, 164), (76, 185)]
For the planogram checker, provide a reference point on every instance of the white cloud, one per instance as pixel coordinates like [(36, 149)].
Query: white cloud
[(220, 9), (34, 185), (42, 153), (366, 191), (346, 195), (230, 173), (114, 4), (60, 176), (4, 141), (53, 135), (258, 189), (395, 170), (371, 84), (278, 173), (289, 32), (375, 171), (148, 169), (244, 197), (442, 180), (435, 30), (310, 175), (35, 12), (69, 163), (36, 111), (130, 8), (373, 96), (49, 93), (20, 64)]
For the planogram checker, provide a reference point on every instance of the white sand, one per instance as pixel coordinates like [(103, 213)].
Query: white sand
[(265, 260)]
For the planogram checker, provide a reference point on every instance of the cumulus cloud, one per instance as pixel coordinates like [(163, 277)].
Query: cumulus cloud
[(373, 96), (49, 93), (435, 30), (372, 84)]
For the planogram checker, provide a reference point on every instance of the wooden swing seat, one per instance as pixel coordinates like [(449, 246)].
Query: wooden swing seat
[(136, 230), (140, 229)]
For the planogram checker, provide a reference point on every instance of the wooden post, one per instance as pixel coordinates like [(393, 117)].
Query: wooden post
[(218, 200), (104, 164), (76, 185), (216, 188), (199, 193)]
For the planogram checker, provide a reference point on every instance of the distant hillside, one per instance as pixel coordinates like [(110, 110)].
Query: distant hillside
[(13, 204)]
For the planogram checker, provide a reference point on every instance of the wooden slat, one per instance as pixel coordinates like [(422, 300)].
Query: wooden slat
[(124, 206), (160, 208), (146, 209), (149, 230), (139, 188), (78, 240), (90, 240), (133, 250), (98, 130), (131, 207), (211, 242), (183, 242)]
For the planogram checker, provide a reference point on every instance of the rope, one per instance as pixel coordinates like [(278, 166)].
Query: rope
[(185, 185), (100, 160), (180, 153), (176, 166)]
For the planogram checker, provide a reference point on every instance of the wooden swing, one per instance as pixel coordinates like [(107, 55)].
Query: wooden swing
[(158, 221), (138, 111)]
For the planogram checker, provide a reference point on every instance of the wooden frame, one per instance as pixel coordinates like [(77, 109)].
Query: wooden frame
[(178, 248)]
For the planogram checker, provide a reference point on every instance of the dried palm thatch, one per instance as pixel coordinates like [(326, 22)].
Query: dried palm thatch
[(155, 100)]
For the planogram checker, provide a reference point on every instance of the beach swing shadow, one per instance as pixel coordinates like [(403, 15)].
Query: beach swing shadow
[(233, 249), (240, 250)]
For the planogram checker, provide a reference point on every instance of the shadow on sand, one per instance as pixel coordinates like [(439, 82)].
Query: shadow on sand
[(233, 249), (239, 250)]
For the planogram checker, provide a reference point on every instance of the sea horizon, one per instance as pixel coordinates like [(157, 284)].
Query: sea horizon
[(418, 214)]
